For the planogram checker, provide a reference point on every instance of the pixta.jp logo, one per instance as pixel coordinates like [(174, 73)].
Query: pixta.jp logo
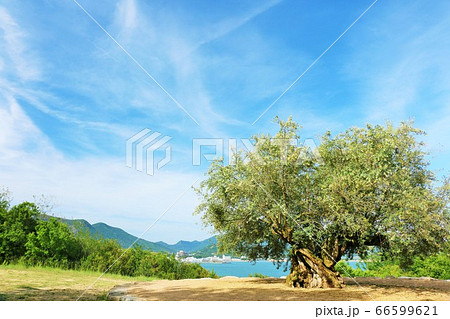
[(211, 149), (141, 149)]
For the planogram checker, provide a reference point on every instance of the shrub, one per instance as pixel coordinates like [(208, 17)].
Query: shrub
[(15, 226), (100, 254), (53, 244), (257, 275), (50, 242), (436, 266)]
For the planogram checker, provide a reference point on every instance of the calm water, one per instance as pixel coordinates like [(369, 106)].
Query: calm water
[(243, 269)]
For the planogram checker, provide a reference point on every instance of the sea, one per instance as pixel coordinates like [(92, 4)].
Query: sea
[(244, 268)]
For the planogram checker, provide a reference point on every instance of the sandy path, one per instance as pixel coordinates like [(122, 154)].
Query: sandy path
[(228, 288)]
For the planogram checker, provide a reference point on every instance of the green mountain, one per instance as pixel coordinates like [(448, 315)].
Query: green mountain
[(209, 250), (125, 239), (193, 246)]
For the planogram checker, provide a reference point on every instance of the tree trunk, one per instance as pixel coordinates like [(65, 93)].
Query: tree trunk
[(309, 271)]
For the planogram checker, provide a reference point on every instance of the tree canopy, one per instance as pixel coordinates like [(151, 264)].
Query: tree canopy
[(365, 187), (15, 225)]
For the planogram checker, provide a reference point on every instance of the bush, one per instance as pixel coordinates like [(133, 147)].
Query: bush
[(435, 266), (167, 267), (257, 275), (53, 244), (100, 254), (15, 226), (195, 271), (28, 236)]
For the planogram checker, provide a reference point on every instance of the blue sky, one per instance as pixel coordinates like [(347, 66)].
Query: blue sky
[(70, 97)]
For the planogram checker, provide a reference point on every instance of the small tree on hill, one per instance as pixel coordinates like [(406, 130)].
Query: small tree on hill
[(371, 187)]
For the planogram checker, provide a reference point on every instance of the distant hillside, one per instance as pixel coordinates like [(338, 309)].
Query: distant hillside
[(193, 246), (125, 239), (209, 250)]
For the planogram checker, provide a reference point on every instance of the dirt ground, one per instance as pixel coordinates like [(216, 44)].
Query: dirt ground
[(232, 288)]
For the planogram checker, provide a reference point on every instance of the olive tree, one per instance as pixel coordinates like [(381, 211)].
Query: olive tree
[(362, 188)]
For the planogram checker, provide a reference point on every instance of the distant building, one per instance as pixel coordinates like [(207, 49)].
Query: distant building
[(226, 259), (192, 260)]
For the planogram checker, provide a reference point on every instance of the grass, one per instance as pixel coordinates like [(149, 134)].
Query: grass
[(18, 282)]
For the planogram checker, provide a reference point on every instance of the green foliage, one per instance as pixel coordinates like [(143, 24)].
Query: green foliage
[(139, 262), (370, 187), (375, 189), (53, 244), (242, 201), (257, 275), (16, 224), (100, 254), (346, 270), (434, 266)]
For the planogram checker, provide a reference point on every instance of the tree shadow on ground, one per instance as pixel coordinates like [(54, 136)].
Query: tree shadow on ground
[(413, 283), (247, 294)]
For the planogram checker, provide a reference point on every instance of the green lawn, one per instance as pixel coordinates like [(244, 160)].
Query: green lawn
[(18, 282)]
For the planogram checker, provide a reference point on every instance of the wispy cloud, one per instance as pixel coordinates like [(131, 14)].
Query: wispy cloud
[(228, 25), (402, 63), (127, 14), (69, 97), (13, 45), (92, 187)]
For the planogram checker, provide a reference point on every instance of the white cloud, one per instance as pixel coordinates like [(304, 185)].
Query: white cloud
[(174, 59), (127, 14), (228, 25), (17, 132), (89, 187), (96, 189), (13, 44), (396, 65), (104, 190)]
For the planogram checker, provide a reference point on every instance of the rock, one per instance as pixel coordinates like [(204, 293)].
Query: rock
[(229, 277), (119, 293), (426, 278)]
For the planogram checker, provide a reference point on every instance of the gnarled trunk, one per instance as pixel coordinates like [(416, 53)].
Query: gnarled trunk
[(309, 271)]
